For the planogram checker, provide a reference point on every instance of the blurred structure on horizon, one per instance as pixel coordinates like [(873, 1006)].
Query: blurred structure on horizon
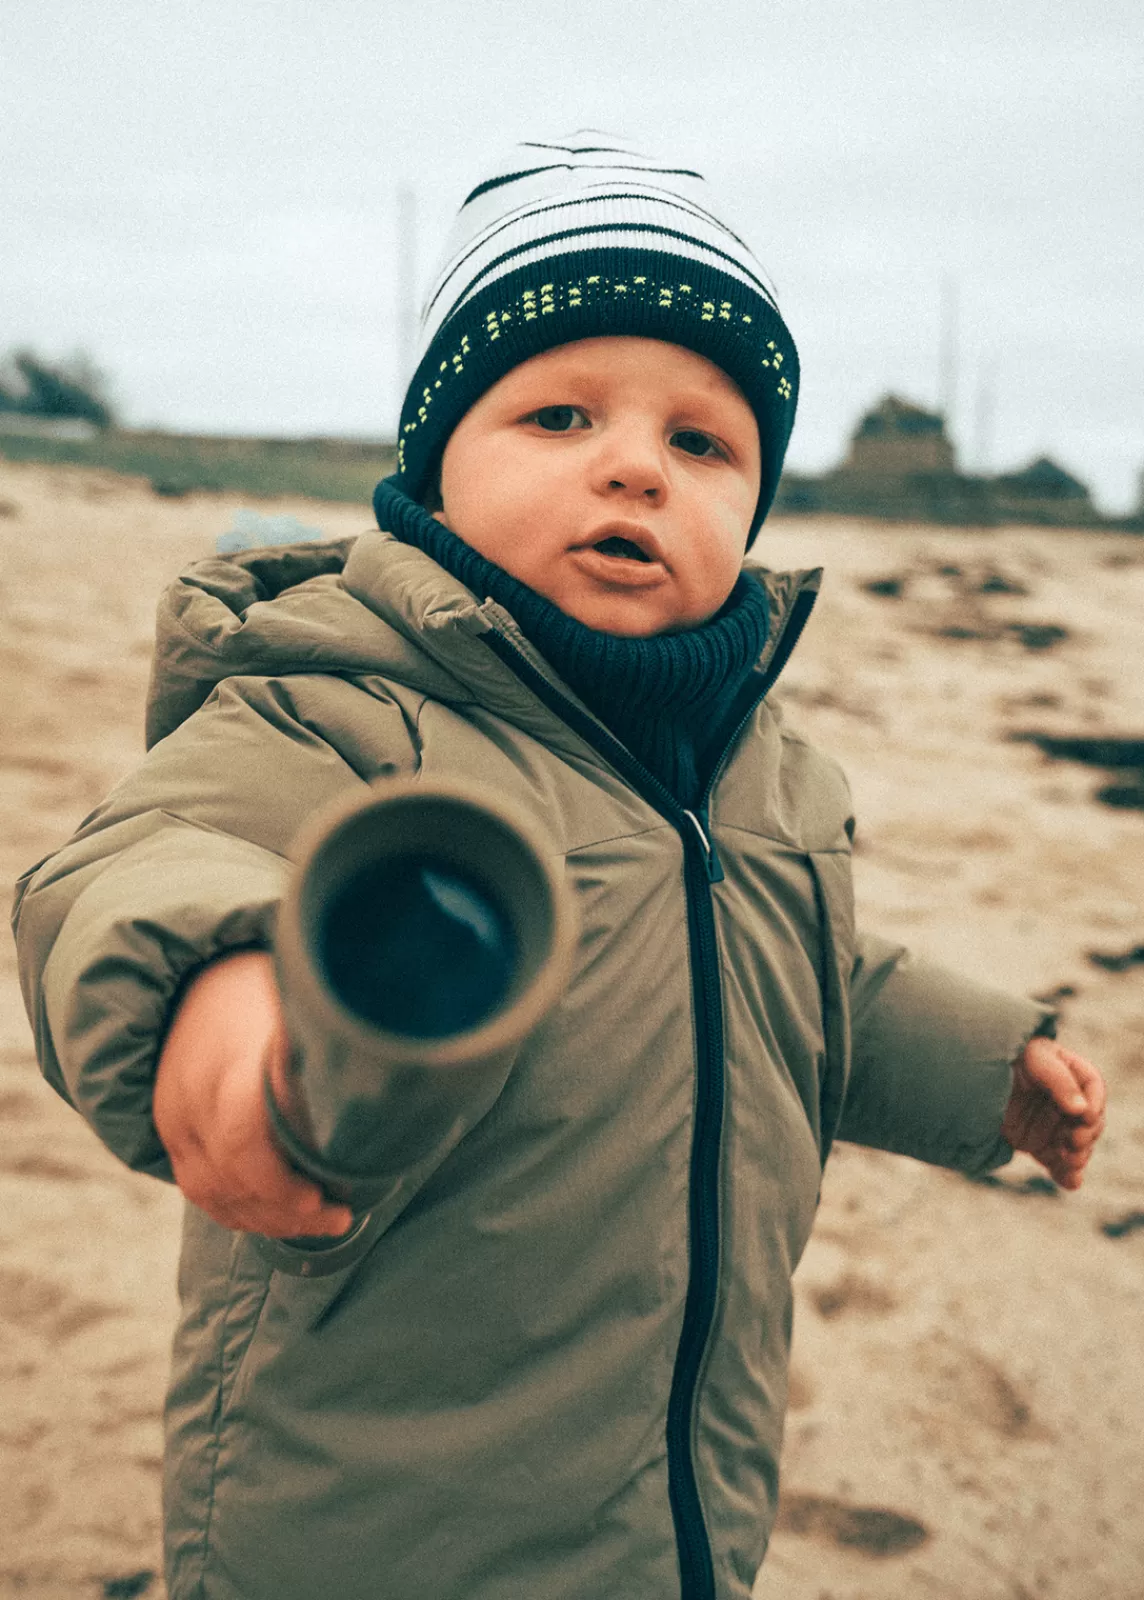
[(902, 465), (57, 392)]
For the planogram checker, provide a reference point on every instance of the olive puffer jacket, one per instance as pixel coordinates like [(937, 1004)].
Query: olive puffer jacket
[(560, 1371)]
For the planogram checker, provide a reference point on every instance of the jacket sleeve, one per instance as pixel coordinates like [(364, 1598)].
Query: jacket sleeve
[(931, 1059), (185, 860)]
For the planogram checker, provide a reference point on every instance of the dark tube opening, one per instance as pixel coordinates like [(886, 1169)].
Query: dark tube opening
[(414, 946)]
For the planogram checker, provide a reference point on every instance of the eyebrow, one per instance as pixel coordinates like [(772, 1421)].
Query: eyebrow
[(589, 387), (587, 378)]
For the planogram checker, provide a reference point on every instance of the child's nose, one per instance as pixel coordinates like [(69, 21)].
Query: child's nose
[(636, 485), (632, 463)]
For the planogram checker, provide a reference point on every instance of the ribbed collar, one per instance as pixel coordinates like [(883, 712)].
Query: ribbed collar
[(666, 698)]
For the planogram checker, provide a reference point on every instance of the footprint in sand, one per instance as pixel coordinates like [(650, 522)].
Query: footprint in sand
[(851, 1293), (41, 1306)]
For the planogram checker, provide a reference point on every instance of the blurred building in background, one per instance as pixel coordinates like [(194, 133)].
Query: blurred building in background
[(901, 464), (898, 438)]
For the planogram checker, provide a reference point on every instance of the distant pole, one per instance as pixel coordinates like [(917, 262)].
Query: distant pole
[(984, 413), (406, 289), (947, 360)]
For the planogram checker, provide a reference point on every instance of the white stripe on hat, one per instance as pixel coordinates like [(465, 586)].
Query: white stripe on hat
[(588, 191)]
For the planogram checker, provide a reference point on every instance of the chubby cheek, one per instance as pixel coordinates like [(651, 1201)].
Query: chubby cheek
[(482, 520), (525, 542), (713, 574)]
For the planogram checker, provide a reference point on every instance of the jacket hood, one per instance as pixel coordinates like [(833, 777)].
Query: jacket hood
[(363, 606)]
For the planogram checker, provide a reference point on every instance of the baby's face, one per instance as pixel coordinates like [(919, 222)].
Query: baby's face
[(617, 477)]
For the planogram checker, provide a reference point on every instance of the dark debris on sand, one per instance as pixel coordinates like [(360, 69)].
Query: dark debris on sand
[(1034, 1184), (1121, 1227), (128, 1587), (1119, 753), (1118, 961)]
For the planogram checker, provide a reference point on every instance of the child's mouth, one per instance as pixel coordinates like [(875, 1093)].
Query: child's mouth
[(615, 546)]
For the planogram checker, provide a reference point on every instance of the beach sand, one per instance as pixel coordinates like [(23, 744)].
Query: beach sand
[(968, 1376)]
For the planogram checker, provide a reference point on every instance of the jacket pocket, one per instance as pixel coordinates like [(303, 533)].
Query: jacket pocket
[(834, 896), (292, 1311)]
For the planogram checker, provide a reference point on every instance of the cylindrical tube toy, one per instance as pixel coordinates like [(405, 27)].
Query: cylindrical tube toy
[(426, 933)]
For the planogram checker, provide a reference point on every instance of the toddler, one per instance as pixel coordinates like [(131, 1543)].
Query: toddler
[(560, 1370)]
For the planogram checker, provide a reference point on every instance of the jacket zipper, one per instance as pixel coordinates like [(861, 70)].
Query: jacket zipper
[(702, 870)]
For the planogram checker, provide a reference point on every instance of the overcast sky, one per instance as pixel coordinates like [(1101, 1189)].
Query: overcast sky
[(204, 197)]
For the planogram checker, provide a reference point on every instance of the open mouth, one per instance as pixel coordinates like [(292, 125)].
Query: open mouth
[(615, 546)]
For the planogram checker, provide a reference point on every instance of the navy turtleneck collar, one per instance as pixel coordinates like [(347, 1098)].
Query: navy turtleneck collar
[(667, 698)]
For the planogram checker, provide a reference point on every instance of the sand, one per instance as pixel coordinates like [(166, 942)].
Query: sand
[(968, 1377)]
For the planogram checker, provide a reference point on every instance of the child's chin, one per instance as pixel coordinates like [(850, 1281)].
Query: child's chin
[(625, 619)]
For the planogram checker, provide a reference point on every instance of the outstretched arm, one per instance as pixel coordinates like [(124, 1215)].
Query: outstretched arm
[(933, 1055), (951, 1071)]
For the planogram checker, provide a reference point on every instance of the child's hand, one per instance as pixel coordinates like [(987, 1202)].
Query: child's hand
[(1055, 1110), (210, 1110)]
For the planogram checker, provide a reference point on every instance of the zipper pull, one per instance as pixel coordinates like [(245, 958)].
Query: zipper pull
[(710, 855)]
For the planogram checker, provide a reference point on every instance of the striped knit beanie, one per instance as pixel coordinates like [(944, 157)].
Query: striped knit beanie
[(581, 237)]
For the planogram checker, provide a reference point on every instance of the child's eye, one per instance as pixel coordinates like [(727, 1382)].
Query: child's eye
[(696, 443), (558, 419)]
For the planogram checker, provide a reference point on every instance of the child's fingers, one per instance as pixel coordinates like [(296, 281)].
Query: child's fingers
[(209, 1105), (255, 1184), (271, 1197), (306, 1214), (259, 1198), (288, 1204), (1068, 1166), (1090, 1083), (1067, 1159), (1073, 1083), (322, 1221), (241, 1179), (1083, 1135)]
